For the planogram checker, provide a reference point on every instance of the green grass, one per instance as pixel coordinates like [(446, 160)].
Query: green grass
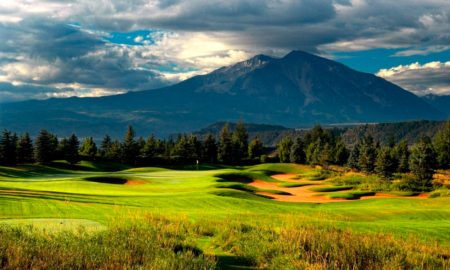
[(294, 184), (330, 189), (60, 198), (352, 195)]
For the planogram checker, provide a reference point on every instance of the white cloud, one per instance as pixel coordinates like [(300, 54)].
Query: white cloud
[(432, 77)]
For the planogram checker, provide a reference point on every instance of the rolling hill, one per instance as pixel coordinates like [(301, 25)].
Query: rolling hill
[(298, 90)]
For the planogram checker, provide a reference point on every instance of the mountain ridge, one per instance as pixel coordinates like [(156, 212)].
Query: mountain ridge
[(297, 90)]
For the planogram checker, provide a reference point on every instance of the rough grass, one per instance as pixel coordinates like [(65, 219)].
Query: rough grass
[(154, 242)]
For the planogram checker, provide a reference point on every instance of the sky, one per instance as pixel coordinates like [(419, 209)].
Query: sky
[(62, 48)]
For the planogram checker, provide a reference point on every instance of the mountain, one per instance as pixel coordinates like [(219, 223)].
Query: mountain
[(297, 90), (441, 103)]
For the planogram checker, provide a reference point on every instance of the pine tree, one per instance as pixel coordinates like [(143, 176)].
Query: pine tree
[(225, 153), (442, 146), (194, 148), (88, 148), (326, 156), (384, 164), (401, 154), (45, 146), (284, 149), (297, 153), (209, 152), (8, 144), (354, 157), (25, 149), (240, 142), (130, 149), (367, 155), (115, 153), (255, 148), (105, 147), (423, 162), (71, 149), (148, 152), (340, 153)]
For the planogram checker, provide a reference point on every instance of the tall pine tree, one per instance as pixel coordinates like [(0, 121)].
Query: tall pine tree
[(25, 149), (225, 153)]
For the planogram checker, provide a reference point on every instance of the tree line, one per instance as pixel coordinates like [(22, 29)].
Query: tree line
[(318, 147)]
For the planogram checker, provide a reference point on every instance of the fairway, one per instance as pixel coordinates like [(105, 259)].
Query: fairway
[(54, 199), (219, 193)]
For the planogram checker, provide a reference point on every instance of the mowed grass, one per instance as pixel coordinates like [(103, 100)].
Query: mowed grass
[(40, 194)]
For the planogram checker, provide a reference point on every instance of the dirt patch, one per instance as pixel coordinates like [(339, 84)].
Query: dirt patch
[(303, 194), (135, 182), (288, 177), (298, 194)]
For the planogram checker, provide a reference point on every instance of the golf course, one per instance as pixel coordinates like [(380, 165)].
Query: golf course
[(274, 215)]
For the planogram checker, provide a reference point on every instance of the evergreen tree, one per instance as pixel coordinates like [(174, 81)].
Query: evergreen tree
[(326, 156), (297, 153), (130, 149), (88, 148), (423, 162), (442, 146), (209, 153), (225, 153), (255, 148), (194, 148), (105, 147), (115, 153), (181, 148), (367, 155), (401, 154), (240, 142), (284, 149), (45, 146), (25, 149), (391, 142), (8, 144), (354, 157), (384, 164), (340, 153), (314, 151), (148, 152), (71, 149)]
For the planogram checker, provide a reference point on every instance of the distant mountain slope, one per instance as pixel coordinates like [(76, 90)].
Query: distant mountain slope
[(441, 103), (297, 90)]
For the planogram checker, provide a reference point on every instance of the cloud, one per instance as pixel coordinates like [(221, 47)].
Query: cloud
[(68, 44), (422, 51), (432, 77)]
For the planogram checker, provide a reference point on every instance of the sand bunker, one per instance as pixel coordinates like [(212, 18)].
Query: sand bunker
[(303, 194), (135, 182)]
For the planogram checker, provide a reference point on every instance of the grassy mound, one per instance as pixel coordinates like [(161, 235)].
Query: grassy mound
[(243, 187), (293, 184), (352, 195), (330, 189)]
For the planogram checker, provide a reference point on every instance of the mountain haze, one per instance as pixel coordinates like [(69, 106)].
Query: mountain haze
[(298, 90)]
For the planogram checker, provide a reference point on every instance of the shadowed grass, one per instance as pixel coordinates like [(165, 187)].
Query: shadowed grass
[(330, 189)]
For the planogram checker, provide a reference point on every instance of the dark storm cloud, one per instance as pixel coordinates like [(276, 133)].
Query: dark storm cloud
[(39, 48), (49, 53)]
